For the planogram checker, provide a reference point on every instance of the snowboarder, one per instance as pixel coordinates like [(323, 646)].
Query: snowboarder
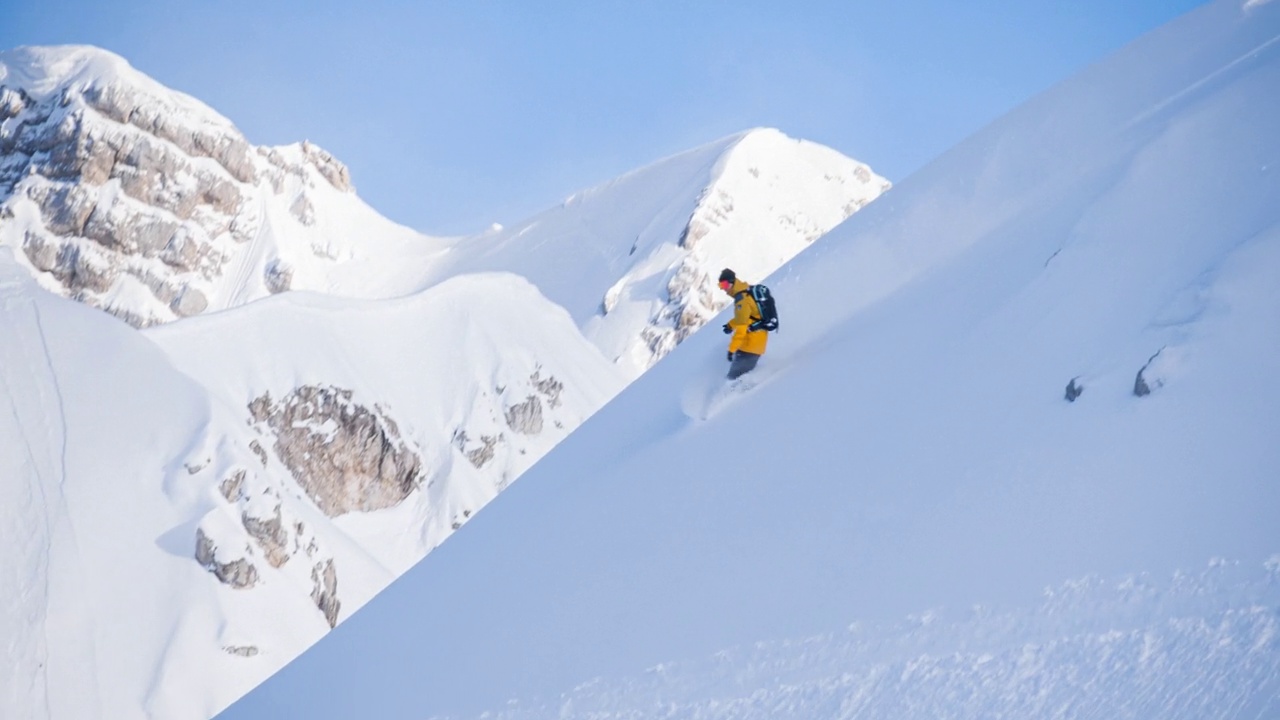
[(747, 345)]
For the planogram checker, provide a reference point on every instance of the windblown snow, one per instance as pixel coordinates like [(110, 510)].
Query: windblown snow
[(1013, 455)]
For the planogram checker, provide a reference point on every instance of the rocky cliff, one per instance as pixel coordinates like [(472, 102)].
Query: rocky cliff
[(139, 200)]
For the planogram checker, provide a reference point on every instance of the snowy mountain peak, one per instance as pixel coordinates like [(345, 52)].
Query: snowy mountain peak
[(140, 200), (646, 247), (44, 71)]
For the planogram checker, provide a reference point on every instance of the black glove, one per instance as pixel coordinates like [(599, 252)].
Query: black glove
[(730, 356), (728, 330)]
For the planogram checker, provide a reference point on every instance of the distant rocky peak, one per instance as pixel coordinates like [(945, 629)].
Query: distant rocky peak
[(134, 198)]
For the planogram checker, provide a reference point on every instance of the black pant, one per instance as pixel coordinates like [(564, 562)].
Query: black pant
[(743, 363)]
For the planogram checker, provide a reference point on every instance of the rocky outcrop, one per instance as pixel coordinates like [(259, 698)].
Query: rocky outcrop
[(345, 456), (266, 531), (128, 107), (239, 573), (549, 387), (328, 166), (270, 534), (1074, 390), (136, 187), (479, 454), (1158, 370), (232, 487), (324, 592), (525, 417)]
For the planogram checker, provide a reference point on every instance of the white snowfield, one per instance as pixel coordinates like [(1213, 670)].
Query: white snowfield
[(904, 516), (185, 508)]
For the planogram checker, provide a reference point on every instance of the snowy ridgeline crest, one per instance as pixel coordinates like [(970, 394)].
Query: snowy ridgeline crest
[(112, 190), (133, 198), (1198, 646), (344, 457), (766, 198)]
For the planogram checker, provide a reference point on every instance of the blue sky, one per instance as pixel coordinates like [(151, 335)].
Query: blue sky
[(454, 115)]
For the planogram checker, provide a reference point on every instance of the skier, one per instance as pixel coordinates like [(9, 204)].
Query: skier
[(747, 345)]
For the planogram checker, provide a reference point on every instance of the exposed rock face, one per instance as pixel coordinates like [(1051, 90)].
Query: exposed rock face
[(332, 170), (548, 386), (239, 574), (1158, 370), (324, 591), (232, 488), (267, 527), (526, 417), (138, 187), (271, 536), (1074, 390), (345, 456), (477, 455)]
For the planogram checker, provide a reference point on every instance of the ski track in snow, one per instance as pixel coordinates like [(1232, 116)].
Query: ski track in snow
[(249, 257), (43, 448), (1201, 83)]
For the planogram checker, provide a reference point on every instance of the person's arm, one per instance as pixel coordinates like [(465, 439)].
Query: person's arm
[(741, 319)]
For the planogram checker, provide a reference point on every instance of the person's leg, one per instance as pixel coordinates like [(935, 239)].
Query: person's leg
[(743, 363)]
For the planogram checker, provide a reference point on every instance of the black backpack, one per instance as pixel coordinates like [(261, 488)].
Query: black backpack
[(768, 319)]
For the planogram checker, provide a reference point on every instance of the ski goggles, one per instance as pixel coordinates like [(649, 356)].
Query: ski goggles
[(725, 284)]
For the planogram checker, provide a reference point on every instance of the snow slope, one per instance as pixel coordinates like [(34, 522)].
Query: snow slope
[(321, 441), (907, 450), (126, 449), (635, 260)]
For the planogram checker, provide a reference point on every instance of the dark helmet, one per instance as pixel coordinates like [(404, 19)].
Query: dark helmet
[(726, 275)]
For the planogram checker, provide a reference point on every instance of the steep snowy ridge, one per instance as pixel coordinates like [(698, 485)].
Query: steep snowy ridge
[(120, 193), (908, 446), (131, 197), (645, 249)]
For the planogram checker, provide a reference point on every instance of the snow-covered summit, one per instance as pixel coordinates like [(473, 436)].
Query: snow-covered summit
[(46, 71), (645, 248), (140, 200)]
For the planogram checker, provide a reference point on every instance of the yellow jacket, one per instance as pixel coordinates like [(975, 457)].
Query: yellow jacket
[(745, 312)]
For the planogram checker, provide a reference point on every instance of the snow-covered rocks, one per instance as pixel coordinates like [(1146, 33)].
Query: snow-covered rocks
[(136, 199)]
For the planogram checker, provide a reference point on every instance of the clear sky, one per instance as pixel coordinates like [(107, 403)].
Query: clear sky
[(454, 115)]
